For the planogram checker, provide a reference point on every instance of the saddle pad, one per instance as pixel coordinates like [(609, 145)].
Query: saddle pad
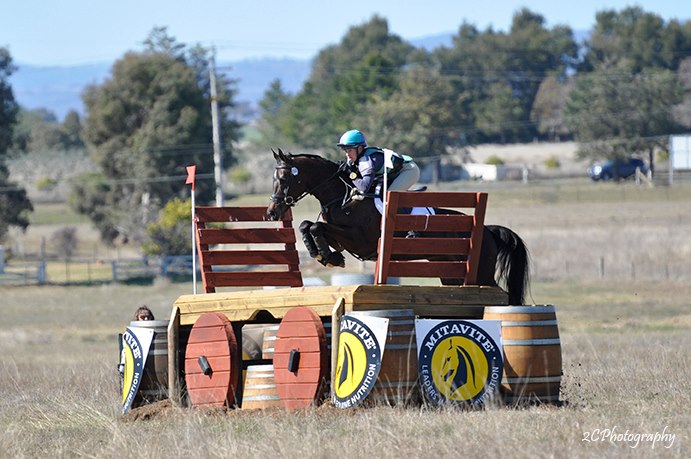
[(379, 204)]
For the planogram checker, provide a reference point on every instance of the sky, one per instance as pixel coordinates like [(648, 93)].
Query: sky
[(76, 32)]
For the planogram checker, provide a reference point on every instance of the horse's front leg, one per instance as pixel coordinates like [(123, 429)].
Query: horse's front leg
[(328, 258), (308, 240)]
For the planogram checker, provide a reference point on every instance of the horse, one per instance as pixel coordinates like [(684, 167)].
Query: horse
[(356, 228)]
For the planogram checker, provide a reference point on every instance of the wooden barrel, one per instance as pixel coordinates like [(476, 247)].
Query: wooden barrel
[(259, 389), (252, 339), (397, 383), (532, 352), (269, 341), (154, 384)]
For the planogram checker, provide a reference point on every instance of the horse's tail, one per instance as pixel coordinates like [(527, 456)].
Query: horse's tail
[(513, 262)]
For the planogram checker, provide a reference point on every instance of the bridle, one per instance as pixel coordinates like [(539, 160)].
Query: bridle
[(290, 201)]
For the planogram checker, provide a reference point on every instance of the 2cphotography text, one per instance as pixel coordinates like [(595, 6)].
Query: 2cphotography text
[(616, 435)]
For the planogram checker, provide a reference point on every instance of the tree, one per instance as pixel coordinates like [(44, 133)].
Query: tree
[(39, 130), (614, 112), (72, 131), (363, 67), (15, 206), (500, 74), (143, 126), (418, 119), (643, 39), (272, 106), (548, 107), (682, 112)]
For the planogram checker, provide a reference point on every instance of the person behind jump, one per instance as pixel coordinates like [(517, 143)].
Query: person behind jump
[(366, 165), (143, 313)]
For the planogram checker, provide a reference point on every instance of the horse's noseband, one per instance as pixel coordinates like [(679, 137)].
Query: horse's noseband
[(287, 200)]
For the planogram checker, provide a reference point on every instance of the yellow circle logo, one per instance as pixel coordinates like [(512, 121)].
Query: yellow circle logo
[(459, 368), (358, 363), (352, 364), (459, 362)]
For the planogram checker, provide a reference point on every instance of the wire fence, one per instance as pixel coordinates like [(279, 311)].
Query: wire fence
[(179, 268), (76, 271)]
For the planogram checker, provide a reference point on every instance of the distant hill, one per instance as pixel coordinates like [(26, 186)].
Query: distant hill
[(59, 89)]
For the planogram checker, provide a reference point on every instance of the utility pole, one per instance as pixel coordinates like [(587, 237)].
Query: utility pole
[(216, 132)]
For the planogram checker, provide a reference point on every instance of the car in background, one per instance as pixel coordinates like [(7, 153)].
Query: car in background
[(616, 170)]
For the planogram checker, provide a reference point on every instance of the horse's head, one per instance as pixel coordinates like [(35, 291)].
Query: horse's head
[(297, 176), (288, 185)]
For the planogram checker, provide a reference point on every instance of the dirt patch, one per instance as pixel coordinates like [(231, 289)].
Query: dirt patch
[(156, 410)]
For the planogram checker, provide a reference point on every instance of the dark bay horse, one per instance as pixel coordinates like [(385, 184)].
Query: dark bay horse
[(357, 228)]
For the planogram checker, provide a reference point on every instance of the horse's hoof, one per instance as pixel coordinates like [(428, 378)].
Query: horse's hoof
[(336, 260)]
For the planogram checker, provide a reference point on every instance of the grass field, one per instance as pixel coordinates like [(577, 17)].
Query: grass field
[(625, 341), (626, 367)]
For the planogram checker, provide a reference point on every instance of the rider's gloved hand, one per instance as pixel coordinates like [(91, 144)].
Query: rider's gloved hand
[(356, 195)]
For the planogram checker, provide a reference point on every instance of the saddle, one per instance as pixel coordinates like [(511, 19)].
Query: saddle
[(356, 196)]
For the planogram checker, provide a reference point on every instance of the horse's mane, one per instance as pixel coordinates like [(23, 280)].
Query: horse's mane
[(316, 157)]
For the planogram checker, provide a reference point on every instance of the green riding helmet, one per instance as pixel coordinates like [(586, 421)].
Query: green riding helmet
[(352, 138)]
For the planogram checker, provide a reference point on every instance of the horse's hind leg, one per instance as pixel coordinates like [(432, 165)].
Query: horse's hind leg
[(328, 258)]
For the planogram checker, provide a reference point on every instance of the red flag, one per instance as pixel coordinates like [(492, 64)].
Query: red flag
[(191, 170)]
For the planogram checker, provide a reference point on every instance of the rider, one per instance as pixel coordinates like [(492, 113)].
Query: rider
[(367, 165)]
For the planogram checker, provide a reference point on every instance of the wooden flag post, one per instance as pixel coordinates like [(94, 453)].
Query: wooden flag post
[(388, 162), (191, 170)]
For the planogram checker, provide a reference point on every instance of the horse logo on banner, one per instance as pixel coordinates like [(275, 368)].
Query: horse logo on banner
[(459, 360)]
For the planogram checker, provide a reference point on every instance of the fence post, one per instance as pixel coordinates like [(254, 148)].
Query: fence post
[(602, 267), (2, 259), (41, 276), (165, 261)]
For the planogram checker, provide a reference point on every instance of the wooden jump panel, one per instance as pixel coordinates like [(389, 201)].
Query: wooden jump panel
[(458, 236), (221, 267)]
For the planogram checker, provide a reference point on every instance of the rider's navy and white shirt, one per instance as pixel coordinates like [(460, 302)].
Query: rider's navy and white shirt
[(370, 166)]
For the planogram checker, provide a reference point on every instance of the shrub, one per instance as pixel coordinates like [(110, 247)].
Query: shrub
[(65, 242), (239, 175), (171, 234), (494, 160), (552, 162), (46, 184)]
